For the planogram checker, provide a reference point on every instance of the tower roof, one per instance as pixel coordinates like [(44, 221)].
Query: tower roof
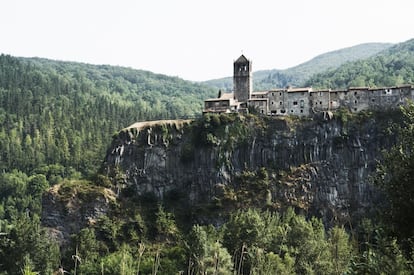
[(242, 59)]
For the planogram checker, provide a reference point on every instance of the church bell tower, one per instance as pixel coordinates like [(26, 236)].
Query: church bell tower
[(242, 79)]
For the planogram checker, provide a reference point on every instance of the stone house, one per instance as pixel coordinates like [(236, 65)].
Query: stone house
[(301, 101), (224, 103)]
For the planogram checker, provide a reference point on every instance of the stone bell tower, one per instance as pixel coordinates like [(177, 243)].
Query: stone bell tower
[(242, 79)]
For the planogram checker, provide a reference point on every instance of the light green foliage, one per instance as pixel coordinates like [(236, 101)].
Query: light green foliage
[(306, 240), (207, 253), (165, 224), (87, 247), (120, 262), (265, 243), (268, 263), (28, 267), (340, 249)]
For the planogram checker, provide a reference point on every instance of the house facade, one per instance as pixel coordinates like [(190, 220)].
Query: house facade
[(302, 101)]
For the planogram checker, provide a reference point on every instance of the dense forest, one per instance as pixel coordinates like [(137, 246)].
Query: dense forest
[(60, 115), (57, 120)]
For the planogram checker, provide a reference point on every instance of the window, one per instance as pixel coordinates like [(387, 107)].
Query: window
[(301, 111), (283, 111), (356, 101), (295, 103), (355, 93), (273, 103), (291, 111), (280, 103), (302, 104), (320, 102), (280, 93)]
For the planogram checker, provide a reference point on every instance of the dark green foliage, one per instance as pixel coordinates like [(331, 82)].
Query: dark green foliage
[(27, 238), (394, 66), (396, 178), (65, 113), (379, 253)]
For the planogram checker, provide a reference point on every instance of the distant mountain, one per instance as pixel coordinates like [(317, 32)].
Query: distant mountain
[(297, 75), (393, 66)]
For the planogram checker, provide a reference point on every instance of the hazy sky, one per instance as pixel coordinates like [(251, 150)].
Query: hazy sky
[(197, 40)]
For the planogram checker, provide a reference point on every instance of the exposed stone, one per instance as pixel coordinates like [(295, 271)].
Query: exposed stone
[(64, 215), (330, 163)]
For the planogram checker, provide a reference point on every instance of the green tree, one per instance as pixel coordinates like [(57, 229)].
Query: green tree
[(37, 185), (208, 254), (340, 249), (166, 226), (395, 177), (28, 267)]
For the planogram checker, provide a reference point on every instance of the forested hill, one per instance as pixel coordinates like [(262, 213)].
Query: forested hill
[(297, 75), (62, 114), (394, 66)]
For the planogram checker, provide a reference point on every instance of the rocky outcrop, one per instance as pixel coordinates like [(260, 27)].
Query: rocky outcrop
[(326, 164), (70, 206)]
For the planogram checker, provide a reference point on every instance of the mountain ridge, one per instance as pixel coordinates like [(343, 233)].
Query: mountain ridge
[(391, 67), (296, 75)]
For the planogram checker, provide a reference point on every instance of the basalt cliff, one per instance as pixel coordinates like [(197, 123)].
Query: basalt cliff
[(320, 166)]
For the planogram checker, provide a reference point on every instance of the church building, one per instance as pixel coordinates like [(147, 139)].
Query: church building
[(236, 101)]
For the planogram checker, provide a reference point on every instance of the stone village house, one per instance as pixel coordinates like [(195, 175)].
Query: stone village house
[(301, 101)]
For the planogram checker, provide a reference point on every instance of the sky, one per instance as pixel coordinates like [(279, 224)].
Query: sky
[(197, 40)]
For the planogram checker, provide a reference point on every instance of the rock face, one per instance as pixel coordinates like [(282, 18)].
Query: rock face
[(326, 164), (66, 210)]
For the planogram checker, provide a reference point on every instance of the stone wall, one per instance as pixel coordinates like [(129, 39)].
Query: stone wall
[(306, 102)]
